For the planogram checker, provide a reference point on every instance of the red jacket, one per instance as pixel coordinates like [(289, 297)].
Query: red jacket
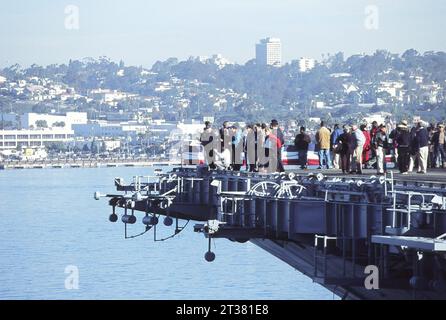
[(367, 146), (273, 139)]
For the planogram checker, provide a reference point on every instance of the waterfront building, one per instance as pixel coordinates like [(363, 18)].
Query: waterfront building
[(13, 139), (109, 129), (31, 120)]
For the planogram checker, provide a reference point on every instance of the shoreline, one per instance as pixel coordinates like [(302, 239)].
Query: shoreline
[(24, 165)]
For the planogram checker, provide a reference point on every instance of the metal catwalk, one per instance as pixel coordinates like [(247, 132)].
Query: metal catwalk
[(332, 228)]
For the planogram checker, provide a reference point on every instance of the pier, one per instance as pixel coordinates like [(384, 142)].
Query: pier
[(84, 163)]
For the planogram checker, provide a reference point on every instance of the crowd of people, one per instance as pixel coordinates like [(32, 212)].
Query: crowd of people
[(259, 146), (350, 148)]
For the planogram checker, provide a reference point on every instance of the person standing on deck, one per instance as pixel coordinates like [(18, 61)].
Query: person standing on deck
[(271, 141), (413, 149), (403, 142), (337, 131), (262, 162), (225, 143), (272, 144), (302, 143), (250, 149), (277, 132), (373, 131), (258, 143), (367, 145), (439, 142), (237, 148), (422, 141), (346, 146), (207, 141), (323, 136), (431, 130), (381, 145), (359, 148)]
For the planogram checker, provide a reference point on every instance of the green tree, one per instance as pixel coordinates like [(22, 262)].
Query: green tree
[(41, 124), (59, 124)]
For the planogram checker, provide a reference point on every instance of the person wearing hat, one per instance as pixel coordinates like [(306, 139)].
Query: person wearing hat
[(207, 141), (403, 145), (422, 144), (439, 142)]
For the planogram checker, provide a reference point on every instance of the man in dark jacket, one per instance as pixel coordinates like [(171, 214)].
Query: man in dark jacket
[(422, 143), (225, 136), (403, 142), (207, 140), (302, 142), (347, 144), (279, 134), (413, 149), (337, 131), (439, 142)]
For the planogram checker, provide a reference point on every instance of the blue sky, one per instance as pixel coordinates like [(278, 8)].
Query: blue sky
[(143, 31)]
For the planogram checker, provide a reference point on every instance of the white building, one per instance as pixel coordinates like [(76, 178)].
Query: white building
[(111, 145), (163, 86), (319, 104), (430, 93), (219, 61), (350, 87), (110, 97), (340, 75), (107, 129), (162, 128), (393, 88), (269, 52), (306, 64), (380, 118), (191, 128), (29, 120), (186, 131), (12, 139)]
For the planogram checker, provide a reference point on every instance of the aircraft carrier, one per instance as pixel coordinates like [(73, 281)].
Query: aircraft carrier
[(361, 237)]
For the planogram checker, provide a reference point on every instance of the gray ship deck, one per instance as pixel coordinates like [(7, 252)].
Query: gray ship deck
[(328, 226), (433, 175)]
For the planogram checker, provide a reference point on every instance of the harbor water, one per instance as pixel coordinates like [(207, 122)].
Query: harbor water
[(52, 229)]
